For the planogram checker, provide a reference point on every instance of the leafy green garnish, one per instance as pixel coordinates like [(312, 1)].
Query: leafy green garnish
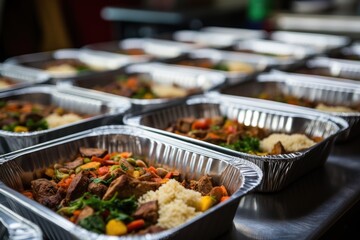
[(106, 182), (2, 104), (93, 223), (247, 145), (221, 66)]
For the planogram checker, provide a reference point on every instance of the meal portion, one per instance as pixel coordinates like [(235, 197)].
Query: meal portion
[(231, 134), (132, 51), (265, 53), (118, 193), (5, 82), (229, 66), (25, 116), (307, 103), (140, 87), (66, 66)]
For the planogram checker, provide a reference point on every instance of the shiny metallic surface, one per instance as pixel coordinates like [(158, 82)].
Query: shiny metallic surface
[(327, 90), (323, 42), (279, 170), (102, 110), (15, 227), (161, 73), (307, 208), (238, 175), (22, 76)]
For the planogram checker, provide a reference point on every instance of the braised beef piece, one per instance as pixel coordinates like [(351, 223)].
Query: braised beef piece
[(146, 177), (89, 152), (200, 134), (33, 116), (184, 124), (98, 189), (74, 164), (148, 211), (233, 138), (278, 149), (85, 212), (126, 186), (78, 186), (203, 185), (126, 166), (113, 174), (47, 193), (211, 139), (151, 229)]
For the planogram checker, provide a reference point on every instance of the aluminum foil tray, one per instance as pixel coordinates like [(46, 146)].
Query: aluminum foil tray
[(285, 53), (13, 226), (324, 43), (279, 170), (236, 174), (103, 110), (338, 68), (216, 37), (259, 63), (152, 48), (21, 76), (158, 72), (97, 61), (329, 91)]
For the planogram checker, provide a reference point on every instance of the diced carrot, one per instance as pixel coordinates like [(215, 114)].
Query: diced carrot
[(107, 157), (151, 169), (132, 82), (212, 135), (225, 193), (76, 213), (224, 198), (28, 194), (136, 224), (103, 170), (110, 162), (96, 159), (125, 154), (168, 175), (65, 182)]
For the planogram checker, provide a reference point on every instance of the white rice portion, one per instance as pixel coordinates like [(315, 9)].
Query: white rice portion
[(291, 143), (176, 203), (55, 120)]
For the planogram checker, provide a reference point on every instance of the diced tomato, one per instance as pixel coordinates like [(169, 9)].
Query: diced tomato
[(103, 170), (65, 182), (202, 123), (107, 157), (96, 159)]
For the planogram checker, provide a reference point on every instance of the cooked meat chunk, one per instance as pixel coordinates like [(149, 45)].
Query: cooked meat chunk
[(89, 152), (86, 212), (148, 211), (74, 164), (184, 124), (278, 148), (126, 187), (78, 186), (233, 138), (203, 185), (47, 193), (98, 189), (145, 177), (217, 193)]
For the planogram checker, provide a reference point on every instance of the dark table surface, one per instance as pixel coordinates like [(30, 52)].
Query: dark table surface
[(307, 208)]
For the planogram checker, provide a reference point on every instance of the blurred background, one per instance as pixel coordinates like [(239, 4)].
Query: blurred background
[(42, 25)]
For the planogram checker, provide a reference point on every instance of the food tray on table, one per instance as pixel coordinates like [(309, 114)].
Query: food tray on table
[(280, 169), (285, 53), (65, 63), (14, 77), (324, 43), (13, 226), (340, 98), (25, 110), (237, 175), (331, 67), (215, 37), (156, 84), (144, 49), (237, 67)]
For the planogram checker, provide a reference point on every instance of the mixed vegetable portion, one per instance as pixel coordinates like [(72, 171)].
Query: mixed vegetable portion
[(99, 190), (228, 133), (66, 66), (228, 66), (25, 116), (140, 87)]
